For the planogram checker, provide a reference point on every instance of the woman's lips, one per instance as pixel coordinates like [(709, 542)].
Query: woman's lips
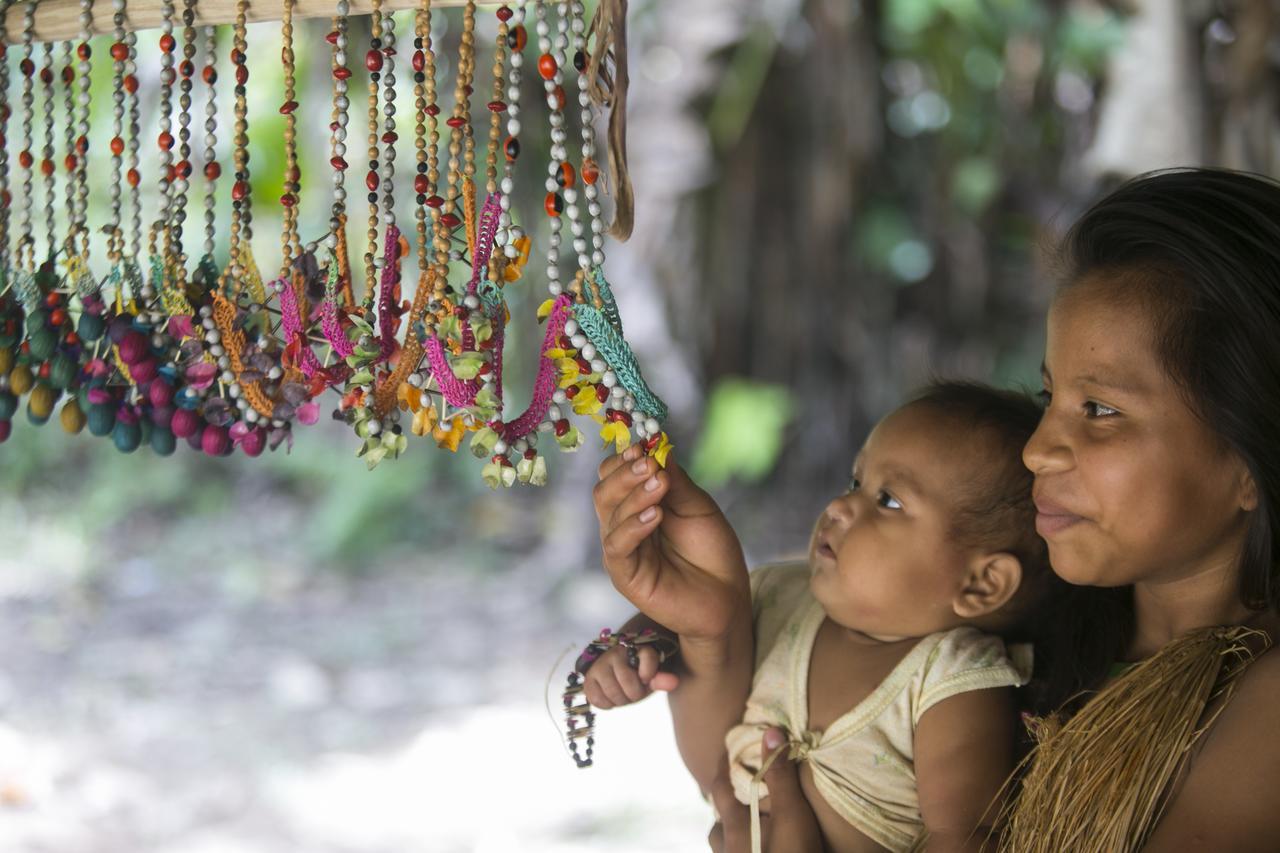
[(1052, 518)]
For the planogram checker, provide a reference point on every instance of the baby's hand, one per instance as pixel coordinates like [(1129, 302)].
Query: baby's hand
[(611, 683)]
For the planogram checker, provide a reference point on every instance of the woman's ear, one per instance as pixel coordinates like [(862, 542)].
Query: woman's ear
[(991, 580), (1247, 489)]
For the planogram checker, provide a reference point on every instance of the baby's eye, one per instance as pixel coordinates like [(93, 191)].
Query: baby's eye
[(887, 501), (1097, 410)]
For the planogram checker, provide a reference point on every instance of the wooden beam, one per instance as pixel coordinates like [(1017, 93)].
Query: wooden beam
[(57, 20)]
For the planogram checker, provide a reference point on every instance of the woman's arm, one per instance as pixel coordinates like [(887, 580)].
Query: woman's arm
[(1228, 800)]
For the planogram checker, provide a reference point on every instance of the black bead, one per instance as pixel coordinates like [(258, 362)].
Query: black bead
[(422, 199), (418, 77), (422, 167), (373, 165), (417, 42), (375, 43), (580, 61), (373, 198)]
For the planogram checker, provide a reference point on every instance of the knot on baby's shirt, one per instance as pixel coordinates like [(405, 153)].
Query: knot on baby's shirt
[(803, 744)]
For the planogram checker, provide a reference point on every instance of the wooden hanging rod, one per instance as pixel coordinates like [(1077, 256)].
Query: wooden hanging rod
[(57, 20)]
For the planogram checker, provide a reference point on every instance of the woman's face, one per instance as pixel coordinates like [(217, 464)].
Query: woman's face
[(1130, 486)]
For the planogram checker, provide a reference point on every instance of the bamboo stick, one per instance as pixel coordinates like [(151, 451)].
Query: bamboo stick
[(60, 19)]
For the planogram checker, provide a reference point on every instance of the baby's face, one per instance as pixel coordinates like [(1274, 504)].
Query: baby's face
[(880, 553)]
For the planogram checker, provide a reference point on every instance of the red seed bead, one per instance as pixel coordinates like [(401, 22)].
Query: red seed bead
[(554, 204), (236, 56), (652, 442), (583, 364), (371, 181), (547, 66), (590, 171), (288, 107), (58, 316), (242, 74), (46, 75), (434, 201), (373, 60), (117, 146), (165, 140), (562, 427), (433, 110), (45, 370), (133, 177), (27, 67), (71, 339), (187, 68), (455, 121), (565, 175), (338, 163), (83, 51), (518, 38), (342, 72), (288, 199), (53, 299), (421, 184), (239, 190), (82, 145), (130, 83), (209, 75), (419, 60), (70, 162), (167, 43), (497, 107), (602, 393), (25, 159), (504, 13), (184, 168), (119, 51), (331, 37), (389, 137), (450, 221), (68, 74), (212, 170)]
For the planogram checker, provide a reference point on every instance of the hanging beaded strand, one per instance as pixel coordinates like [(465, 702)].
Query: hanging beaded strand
[(164, 141), (550, 63), (373, 62), (290, 247), (497, 107), (80, 150), (424, 90), (119, 53), (458, 122), (6, 196), (26, 242), (132, 176), (46, 163), (212, 170), (182, 169), (232, 277), (517, 37)]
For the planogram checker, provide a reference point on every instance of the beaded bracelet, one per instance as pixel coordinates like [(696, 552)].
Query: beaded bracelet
[(579, 718)]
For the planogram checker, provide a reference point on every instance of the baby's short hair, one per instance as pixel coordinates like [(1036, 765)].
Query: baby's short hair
[(995, 510)]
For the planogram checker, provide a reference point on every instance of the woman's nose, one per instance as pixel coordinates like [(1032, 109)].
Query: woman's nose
[(1048, 450)]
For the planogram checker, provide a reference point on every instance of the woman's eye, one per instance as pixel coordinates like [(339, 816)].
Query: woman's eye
[(854, 484), (888, 501), (1045, 397), (1097, 410)]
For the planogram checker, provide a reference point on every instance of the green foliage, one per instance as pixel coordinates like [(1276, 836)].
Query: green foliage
[(743, 432)]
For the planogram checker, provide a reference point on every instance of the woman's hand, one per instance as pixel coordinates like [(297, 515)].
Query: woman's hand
[(790, 826), (668, 548)]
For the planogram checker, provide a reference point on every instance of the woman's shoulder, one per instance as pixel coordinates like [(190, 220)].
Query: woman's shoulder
[(1226, 799)]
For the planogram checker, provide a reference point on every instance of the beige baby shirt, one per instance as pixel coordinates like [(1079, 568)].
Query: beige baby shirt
[(863, 764)]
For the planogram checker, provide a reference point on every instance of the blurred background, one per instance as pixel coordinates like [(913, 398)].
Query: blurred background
[(835, 201)]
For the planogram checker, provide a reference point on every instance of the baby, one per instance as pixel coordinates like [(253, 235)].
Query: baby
[(882, 656)]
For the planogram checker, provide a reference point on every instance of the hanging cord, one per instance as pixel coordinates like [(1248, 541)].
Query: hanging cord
[(609, 89)]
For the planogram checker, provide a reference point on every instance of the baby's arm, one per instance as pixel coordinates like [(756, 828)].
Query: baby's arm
[(670, 551), (610, 682), (964, 751)]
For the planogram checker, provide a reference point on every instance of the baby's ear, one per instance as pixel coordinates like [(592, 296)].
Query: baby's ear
[(991, 580)]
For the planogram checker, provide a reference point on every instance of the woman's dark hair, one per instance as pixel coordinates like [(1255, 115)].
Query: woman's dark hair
[(1200, 249)]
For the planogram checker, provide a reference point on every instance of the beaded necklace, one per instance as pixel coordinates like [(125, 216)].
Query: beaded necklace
[(24, 282), (207, 270)]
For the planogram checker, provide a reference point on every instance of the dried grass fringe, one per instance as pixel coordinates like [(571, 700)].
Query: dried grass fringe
[(609, 89), (1100, 781)]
